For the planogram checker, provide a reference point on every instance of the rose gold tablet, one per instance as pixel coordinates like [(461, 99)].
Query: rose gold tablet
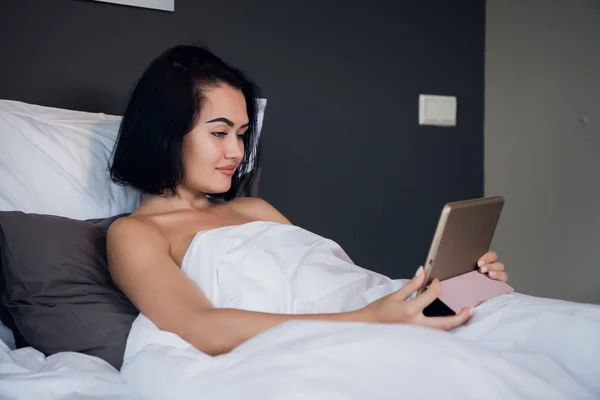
[(463, 234)]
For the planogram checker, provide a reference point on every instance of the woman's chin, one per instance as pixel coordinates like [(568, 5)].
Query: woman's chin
[(218, 189)]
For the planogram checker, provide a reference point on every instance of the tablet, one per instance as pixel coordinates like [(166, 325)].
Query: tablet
[(464, 233)]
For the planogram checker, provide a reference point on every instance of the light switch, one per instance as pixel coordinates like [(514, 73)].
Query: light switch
[(437, 110)]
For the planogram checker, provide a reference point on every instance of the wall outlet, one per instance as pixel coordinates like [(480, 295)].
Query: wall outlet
[(437, 110)]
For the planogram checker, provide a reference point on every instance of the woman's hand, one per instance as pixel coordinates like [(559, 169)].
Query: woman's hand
[(488, 264), (395, 308)]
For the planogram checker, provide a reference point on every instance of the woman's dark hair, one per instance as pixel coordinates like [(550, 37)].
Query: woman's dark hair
[(164, 106)]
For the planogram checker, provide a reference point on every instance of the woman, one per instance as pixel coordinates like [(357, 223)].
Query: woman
[(186, 140)]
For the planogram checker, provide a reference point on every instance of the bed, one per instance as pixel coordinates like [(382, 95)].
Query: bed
[(68, 333)]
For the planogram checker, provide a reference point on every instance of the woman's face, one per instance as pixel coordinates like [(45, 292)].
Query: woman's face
[(213, 150)]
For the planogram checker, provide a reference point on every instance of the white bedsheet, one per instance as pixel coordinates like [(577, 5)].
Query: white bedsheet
[(515, 346), (27, 374)]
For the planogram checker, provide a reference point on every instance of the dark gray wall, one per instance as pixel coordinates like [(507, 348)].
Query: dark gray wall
[(344, 155)]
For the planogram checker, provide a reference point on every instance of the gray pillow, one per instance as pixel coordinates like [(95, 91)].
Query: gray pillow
[(56, 291)]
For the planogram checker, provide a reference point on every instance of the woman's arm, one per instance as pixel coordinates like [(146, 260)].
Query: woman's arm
[(141, 266)]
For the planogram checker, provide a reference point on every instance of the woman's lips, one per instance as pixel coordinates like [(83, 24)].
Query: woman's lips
[(229, 171)]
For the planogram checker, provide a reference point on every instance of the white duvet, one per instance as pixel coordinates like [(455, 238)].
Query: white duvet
[(514, 347)]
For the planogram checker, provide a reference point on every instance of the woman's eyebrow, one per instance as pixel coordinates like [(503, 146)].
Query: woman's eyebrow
[(227, 121)]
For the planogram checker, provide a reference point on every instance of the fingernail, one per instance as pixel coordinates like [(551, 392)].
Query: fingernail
[(471, 311), (483, 270), (419, 271), (492, 273), (480, 263)]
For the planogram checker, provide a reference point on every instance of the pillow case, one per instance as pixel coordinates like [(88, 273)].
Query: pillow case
[(57, 294), (54, 161), (7, 336)]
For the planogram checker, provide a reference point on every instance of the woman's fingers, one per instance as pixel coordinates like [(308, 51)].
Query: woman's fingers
[(487, 258), (498, 275), (428, 296), (446, 323), (495, 270), (495, 266)]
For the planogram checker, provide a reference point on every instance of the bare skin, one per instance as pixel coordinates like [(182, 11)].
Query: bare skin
[(145, 250)]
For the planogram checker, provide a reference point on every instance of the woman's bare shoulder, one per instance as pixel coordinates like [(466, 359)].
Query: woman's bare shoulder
[(258, 209), (129, 230)]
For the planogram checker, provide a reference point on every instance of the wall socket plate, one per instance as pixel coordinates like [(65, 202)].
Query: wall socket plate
[(437, 110)]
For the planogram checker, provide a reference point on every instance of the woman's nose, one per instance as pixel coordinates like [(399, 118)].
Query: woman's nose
[(234, 148)]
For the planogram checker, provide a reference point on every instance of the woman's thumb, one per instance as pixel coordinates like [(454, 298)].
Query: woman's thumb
[(409, 290), (418, 280), (419, 271)]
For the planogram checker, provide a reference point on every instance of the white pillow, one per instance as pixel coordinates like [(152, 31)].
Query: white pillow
[(54, 161)]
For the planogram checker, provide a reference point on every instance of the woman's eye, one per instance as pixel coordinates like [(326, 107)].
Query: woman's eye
[(240, 136), (219, 134)]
